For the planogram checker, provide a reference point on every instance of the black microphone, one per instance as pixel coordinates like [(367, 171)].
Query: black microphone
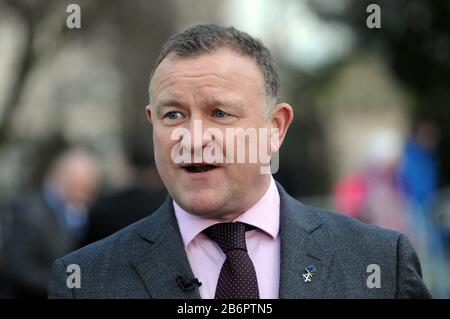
[(186, 285)]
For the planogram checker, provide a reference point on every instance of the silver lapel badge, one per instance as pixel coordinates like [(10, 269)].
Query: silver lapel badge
[(308, 273)]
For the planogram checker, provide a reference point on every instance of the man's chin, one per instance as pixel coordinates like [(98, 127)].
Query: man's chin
[(203, 206), (204, 210)]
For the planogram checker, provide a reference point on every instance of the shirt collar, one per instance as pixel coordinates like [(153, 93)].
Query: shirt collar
[(264, 215)]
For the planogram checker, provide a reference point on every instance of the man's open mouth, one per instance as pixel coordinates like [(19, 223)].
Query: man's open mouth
[(198, 168)]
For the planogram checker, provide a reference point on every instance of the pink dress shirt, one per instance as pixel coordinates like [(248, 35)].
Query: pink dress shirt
[(263, 245)]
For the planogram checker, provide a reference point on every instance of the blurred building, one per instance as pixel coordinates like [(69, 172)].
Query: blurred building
[(361, 99)]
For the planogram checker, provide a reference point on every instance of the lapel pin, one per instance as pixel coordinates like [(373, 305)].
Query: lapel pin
[(308, 273)]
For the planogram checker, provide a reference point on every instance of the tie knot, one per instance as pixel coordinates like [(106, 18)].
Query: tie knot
[(229, 236)]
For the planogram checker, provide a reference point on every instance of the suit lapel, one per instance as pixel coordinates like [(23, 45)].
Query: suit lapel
[(159, 256), (303, 243)]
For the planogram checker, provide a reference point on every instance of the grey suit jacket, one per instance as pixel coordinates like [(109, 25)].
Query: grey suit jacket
[(145, 259)]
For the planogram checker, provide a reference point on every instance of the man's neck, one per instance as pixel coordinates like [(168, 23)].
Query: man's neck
[(232, 216)]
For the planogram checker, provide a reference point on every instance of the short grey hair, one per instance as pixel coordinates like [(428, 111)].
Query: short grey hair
[(208, 38)]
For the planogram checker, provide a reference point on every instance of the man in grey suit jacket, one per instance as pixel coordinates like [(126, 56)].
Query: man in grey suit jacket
[(227, 230), (145, 259)]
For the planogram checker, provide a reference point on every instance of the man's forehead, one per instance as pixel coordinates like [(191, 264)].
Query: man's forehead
[(220, 78), (221, 61)]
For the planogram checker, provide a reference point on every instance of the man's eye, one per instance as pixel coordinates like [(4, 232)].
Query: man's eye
[(220, 113), (175, 115)]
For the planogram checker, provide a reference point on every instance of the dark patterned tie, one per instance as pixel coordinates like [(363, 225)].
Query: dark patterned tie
[(237, 278)]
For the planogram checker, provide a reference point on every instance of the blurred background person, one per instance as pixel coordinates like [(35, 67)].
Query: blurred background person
[(47, 223), (385, 205), (418, 180), (418, 170), (349, 194), (372, 194), (141, 194)]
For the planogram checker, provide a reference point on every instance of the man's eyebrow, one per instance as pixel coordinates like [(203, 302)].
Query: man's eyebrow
[(169, 102)]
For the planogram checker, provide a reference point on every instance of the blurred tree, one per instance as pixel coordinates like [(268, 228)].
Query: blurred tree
[(30, 15), (136, 32)]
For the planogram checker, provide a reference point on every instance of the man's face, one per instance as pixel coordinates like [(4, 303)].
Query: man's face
[(222, 90)]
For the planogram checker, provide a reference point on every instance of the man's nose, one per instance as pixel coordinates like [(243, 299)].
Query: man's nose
[(197, 138)]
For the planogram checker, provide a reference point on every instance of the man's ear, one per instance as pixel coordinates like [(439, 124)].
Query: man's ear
[(148, 112), (281, 118)]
